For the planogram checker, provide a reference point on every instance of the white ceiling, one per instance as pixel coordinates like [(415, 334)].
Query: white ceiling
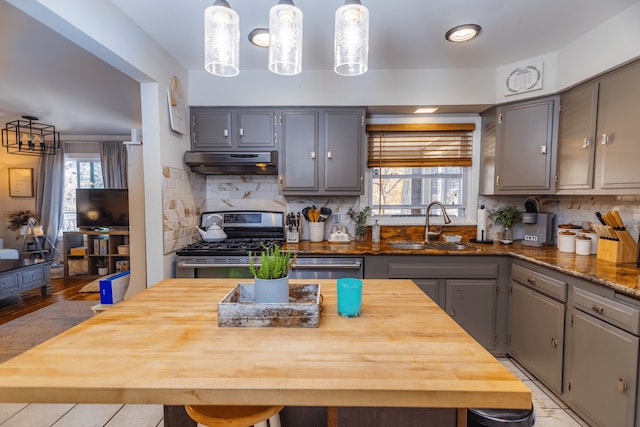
[(43, 74)]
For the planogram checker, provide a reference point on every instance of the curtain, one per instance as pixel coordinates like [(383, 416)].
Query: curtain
[(50, 196), (113, 158)]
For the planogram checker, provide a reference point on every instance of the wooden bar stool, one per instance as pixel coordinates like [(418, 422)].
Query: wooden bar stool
[(233, 416)]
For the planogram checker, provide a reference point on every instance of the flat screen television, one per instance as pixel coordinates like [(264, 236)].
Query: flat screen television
[(102, 208)]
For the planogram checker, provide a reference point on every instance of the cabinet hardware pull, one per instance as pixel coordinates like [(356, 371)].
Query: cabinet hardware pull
[(622, 385), (530, 280), (225, 133), (497, 179), (241, 132), (452, 312), (586, 143), (329, 155), (605, 139), (597, 308), (554, 342), (313, 154), (543, 149)]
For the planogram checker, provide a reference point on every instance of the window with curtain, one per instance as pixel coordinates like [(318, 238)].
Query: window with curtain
[(82, 169), (415, 164)]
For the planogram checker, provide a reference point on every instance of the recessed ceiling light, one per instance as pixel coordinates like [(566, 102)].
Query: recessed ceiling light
[(463, 33), (425, 110), (259, 37)]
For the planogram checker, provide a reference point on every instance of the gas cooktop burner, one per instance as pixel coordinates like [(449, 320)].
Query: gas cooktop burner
[(228, 247)]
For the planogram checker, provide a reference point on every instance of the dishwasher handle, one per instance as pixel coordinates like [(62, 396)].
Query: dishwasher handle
[(342, 266)]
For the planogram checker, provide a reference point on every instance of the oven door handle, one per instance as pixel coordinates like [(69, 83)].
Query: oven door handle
[(202, 265), (352, 266)]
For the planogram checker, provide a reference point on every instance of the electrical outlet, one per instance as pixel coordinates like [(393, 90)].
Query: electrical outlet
[(336, 218)]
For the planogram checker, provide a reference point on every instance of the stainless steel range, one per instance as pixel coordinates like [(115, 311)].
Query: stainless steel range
[(246, 232)]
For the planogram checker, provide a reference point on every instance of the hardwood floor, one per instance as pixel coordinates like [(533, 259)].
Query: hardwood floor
[(61, 289)]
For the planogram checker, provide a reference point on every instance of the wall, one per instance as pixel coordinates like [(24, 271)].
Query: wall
[(8, 203)]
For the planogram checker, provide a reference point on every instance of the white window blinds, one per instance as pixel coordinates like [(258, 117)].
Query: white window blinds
[(420, 145)]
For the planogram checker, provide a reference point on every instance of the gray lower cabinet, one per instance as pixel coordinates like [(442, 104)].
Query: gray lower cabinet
[(603, 379), (537, 324), (471, 289)]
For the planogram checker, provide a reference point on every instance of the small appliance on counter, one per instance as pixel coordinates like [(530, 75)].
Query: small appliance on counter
[(293, 227), (538, 226)]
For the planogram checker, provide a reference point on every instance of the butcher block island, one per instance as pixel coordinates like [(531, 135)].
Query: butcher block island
[(164, 346)]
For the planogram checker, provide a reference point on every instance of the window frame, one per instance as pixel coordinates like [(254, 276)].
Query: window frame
[(472, 176)]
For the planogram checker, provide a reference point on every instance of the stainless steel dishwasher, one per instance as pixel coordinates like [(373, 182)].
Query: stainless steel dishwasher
[(327, 268)]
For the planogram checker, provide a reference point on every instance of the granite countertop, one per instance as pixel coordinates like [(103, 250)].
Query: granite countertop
[(624, 277)]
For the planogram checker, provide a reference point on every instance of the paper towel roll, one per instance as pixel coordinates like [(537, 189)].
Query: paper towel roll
[(482, 224)]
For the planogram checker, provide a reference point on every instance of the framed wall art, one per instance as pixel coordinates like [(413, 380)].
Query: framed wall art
[(21, 182)]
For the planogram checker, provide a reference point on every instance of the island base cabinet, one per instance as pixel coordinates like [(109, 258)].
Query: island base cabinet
[(604, 369), (537, 334)]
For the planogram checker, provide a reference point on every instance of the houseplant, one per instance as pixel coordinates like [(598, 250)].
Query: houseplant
[(18, 218), (506, 216), (103, 266), (360, 218), (272, 274)]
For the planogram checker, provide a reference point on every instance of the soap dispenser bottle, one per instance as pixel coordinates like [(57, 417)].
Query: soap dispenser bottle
[(375, 232)]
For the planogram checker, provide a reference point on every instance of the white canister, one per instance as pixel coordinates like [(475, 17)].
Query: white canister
[(316, 231), (583, 245), (567, 241), (594, 240)]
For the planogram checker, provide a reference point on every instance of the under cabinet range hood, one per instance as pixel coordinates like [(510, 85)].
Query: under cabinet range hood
[(232, 163)]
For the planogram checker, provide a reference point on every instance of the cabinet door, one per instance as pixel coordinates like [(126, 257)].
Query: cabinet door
[(619, 145), (211, 129), (472, 304), (432, 288), (300, 144), (604, 371), (256, 129), (343, 158), (536, 337), (526, 140), (576, 137)]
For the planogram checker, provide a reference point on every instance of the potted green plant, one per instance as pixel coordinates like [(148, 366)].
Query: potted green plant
[(18, 219), (103, 266), (272, 274), (360, 218), (507, 216)]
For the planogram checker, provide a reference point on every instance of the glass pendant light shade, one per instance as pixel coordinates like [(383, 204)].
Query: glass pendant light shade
[(351, 43), (285, 32), (221, 40)]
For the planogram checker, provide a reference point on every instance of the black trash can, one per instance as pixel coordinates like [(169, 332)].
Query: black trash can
[(500, 417)]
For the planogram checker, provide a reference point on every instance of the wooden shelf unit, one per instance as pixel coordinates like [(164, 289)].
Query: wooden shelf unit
[(95, 251)]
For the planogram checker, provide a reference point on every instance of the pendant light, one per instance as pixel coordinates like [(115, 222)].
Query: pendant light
[(30, 137), (351, 42), (221, 40), (285, 34)]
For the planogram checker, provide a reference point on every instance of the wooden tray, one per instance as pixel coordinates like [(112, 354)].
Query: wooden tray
[(238, 308)]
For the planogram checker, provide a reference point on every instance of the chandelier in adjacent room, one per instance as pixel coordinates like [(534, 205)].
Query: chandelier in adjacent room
[(30, 137)]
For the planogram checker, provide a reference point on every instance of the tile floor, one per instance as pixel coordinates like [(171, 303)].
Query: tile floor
[(550, 411)]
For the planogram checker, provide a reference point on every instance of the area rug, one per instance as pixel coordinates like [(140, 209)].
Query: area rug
[(34, 328)]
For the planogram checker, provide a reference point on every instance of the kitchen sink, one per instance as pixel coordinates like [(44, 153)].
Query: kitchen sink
[(444, 246)]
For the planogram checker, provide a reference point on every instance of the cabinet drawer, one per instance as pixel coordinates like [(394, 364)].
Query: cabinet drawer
[(403, 270), (8, 284), (32, 277), (542, 283), (613, 312)]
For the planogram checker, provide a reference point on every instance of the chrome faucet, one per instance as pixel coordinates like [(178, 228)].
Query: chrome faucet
[(447, 220)]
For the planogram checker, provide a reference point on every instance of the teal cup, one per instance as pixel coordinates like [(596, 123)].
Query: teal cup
[(349, 297)]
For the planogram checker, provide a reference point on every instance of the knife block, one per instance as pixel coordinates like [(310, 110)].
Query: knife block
[(618, 251)]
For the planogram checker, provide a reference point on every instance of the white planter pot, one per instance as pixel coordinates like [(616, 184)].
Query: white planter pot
[(103, 271), (272, 290)]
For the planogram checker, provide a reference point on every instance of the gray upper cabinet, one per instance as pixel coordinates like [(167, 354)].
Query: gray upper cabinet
[(577, 137), (523, 148), (322, 151), (223, 129), (618, 138), (598, 145)]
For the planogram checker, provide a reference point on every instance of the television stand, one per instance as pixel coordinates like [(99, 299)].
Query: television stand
[(87, 250)]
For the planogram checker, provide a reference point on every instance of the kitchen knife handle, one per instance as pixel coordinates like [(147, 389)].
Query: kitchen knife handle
[(599, 216)]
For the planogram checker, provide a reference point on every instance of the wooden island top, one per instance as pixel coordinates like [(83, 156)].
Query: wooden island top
[(164, 346)]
